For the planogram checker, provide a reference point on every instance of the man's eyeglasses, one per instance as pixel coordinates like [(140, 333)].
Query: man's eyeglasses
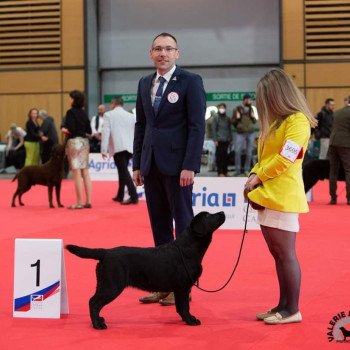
[(167, 49)]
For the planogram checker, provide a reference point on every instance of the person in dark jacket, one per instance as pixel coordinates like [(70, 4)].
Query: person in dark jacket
[(78, 130), (324, 127), (245, 121), (222, 136), (339, 152), (49, 136), (31, 140)]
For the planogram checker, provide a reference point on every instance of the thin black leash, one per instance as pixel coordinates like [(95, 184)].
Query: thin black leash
[(196, 283)]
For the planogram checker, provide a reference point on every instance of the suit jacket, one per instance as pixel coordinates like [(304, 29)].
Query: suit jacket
[(340, 135), (117, 131), (174, 137), (49, 129)]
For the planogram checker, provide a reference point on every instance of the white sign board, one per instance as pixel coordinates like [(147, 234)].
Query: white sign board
[(102, 170), (213, 194), (40, 289)]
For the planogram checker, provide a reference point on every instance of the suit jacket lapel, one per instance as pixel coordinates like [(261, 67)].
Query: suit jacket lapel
[(173, 81)]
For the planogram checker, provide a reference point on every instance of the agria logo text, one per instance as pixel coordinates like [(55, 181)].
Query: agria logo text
[(213, 199), (339, 328), (101, 165)]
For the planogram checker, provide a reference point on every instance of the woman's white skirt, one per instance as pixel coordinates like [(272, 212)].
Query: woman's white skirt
[(279, 219)]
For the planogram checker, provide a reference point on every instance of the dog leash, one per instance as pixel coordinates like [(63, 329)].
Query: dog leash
[(196, 283)]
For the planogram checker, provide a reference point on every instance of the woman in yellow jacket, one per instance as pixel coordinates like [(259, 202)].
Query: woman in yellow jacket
[(276, 184)]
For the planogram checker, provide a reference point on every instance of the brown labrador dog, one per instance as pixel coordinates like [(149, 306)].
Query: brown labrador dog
[(49, 174)]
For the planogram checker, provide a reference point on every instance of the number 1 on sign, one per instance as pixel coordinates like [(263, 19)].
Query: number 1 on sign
[(37, 265)]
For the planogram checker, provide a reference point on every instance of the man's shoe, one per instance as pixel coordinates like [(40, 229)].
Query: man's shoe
[(129, 201), (168, 300), (116, 199), (155, 297), (277, 318), (333, 201)]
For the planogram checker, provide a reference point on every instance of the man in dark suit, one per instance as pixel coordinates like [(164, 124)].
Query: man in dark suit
[(168, 143), (339, 152)]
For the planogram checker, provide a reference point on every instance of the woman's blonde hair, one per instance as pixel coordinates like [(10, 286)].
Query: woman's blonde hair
[(277, 97)]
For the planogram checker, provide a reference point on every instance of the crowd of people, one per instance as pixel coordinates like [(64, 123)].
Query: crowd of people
[(33, 144), (232, 135)]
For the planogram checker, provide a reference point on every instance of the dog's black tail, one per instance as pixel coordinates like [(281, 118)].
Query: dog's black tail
[(14, 178), (86, 253)]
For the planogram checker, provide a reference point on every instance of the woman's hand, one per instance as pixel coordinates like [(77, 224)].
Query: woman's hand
[(252, 182)]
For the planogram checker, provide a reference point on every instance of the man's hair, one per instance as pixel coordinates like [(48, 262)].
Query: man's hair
[(221, 105), (43, 113), (118, 100), (328, 100), (165, 34)]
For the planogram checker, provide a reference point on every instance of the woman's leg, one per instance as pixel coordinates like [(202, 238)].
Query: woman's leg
[(87, 184), (281, 244), (76, 175), (282, 284)]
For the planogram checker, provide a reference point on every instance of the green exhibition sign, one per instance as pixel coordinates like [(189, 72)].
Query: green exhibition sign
[(211, 96)]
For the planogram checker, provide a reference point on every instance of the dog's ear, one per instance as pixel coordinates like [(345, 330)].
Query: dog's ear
[(198, 223)]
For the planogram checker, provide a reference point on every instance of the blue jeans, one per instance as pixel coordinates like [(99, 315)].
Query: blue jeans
[(244, 140)]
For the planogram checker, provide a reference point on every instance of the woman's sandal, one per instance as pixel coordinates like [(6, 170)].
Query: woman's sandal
[(76, 206), (88, 206)]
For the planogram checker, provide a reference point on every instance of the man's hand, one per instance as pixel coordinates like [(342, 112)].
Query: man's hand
[(137, 178), (186, 178), (96, 136), (104, 155)]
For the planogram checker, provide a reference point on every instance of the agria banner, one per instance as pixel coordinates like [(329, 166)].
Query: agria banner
[(213, 194)]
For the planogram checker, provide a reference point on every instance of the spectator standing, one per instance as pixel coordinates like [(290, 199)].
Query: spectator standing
[(117, 141), (222, 136), (339, 152), (245, 121), (31, 140), (78, 129), (209, 144), (49, 136), (96, 127), (168, 144), (15, 151), (324, 127)]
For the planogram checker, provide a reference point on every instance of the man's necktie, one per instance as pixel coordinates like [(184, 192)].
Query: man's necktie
[(97, 122), (159, 94)]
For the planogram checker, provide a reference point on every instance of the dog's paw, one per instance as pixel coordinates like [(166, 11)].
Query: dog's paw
[(192, 321), (100, 323)]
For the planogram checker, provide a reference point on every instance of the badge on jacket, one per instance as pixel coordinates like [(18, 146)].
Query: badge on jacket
[(291, 151), (173, 97)]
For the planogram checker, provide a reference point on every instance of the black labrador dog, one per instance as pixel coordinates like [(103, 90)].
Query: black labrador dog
[(49, 174), (174, 266), (318, 169)]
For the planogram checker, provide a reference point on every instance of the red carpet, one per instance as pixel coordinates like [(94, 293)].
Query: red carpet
[(228, 317)]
